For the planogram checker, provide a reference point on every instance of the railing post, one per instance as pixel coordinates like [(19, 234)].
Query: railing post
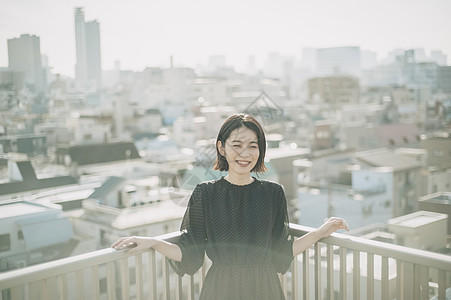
[(202, 272), (370, 276), (62, 286), (317, 271), (294, 278), (399, 280), (384, 278), (330, 272), (343, 273), (95, 282), (356, 275), (441, 285), (179, 288), (406, 281), (125, 279), (191, 288), (282, 283), (110, 281), (153, 275), (306, 274), (166, 283), (80, 285), (416, 282), (139, 277), (424, 279)]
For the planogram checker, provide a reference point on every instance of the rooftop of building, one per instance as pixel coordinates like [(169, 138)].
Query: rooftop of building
[(417, 219), (20, 208), (386, 158), (439, 198)]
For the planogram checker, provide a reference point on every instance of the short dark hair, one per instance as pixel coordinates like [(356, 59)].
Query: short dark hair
[(232, 123)]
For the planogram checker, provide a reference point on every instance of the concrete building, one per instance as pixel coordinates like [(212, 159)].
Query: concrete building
[(23, 181), (325, 134), (30, 144), (438, 202), (387, 135), (90, 129), (444, 79), (407, 70), (326, 188), (438, 147), (24, 55), (338, 60), (334, 90), (414, 230), (119, 207), (32, 233), (280, 164), (12, 82), (186, 131), (439, 57), (405, 177), (98, 153)]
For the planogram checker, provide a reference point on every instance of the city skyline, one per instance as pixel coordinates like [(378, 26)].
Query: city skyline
[(144, 34)]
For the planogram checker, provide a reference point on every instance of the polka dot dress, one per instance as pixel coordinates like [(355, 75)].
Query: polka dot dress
[(244, 231)]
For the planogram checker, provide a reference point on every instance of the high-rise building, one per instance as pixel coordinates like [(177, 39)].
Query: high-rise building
[(439, 57), (24, 55), (338, 61), (88, 68)]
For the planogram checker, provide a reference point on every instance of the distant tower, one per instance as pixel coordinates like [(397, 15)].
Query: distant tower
[(24, 55), (88, 70)]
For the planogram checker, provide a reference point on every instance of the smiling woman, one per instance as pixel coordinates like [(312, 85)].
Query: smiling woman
[(239, 221)]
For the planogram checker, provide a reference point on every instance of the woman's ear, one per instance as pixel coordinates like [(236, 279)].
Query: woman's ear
[(220, 148)]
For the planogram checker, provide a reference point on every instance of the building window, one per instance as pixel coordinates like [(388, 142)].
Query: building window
[(322, 134), (5, 242), (20, 235)]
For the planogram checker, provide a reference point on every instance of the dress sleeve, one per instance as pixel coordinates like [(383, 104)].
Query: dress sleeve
[(193, 237), (282, 244)]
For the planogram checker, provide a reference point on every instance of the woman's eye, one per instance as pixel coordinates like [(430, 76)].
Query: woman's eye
[(236, 146)]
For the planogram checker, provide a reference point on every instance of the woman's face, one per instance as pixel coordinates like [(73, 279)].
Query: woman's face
[(240, 150)]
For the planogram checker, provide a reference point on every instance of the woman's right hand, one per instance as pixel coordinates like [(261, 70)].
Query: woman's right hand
[(136, 243)]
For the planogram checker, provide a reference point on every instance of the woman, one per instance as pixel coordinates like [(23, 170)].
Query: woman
[(241, 222)]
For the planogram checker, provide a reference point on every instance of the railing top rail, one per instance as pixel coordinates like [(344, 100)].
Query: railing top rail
[(71, 264), (401, 253), (67, 265)]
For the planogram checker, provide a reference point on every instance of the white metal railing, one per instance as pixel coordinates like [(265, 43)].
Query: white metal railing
[(337, 267)]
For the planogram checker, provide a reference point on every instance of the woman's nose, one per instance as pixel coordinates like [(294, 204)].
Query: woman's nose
[(244, 152)]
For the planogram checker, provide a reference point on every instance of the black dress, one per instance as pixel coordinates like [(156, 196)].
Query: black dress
[(244, 231)]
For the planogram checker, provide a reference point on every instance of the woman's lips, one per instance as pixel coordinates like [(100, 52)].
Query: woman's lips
[(243, 163)]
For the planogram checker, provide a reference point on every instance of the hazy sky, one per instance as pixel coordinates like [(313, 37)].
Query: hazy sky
[(142, 33)]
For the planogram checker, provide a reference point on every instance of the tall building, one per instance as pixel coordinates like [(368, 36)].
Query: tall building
[(24, 55), (88, 68), (439, 57), (338, 61)]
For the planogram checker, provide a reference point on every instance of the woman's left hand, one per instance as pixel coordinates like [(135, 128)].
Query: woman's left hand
[(331, 225)]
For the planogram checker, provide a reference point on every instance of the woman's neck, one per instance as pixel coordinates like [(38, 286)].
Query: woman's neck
[(239, 179)]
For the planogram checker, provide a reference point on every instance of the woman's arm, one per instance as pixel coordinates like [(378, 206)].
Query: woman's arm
[(330, 225), (139, 243)]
